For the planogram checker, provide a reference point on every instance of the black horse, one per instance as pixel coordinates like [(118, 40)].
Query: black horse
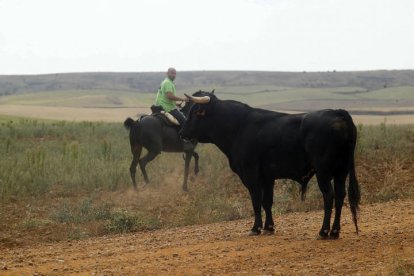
[(155, 134)]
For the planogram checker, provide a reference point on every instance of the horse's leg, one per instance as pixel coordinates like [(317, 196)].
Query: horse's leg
[(136, 151), (144, 161), (196, 157), (188, 156)]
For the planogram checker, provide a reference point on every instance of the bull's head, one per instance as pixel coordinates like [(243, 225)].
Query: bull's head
[(199, 119)]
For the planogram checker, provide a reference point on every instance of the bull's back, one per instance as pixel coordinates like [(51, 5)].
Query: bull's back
[(282, 153), (327, 134), (336, 124)]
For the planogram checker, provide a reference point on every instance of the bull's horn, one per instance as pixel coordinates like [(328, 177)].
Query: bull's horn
[(199, 100)]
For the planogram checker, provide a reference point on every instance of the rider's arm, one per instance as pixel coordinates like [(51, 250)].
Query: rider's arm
[(172, 97)]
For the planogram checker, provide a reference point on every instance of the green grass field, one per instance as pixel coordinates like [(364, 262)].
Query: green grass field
[(71, 179), (255, 95)]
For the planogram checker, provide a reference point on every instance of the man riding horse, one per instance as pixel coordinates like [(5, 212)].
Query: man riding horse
[(166, 97), (159, 133)]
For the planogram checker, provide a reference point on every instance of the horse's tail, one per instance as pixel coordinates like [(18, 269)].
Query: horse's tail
[(134, 132), (129, 123)]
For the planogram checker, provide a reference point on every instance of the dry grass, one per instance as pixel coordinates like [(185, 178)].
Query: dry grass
[(403, 268), (68, 180)]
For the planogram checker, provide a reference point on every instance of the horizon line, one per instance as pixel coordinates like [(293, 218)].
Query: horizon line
[(190, 71)]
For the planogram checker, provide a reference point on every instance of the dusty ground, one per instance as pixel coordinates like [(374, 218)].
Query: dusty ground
[(386, 240)]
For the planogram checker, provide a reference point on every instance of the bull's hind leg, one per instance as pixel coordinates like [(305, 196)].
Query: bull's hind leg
[(136, 151), (144, 161), (269, 227), (339, 187), (324, 182)]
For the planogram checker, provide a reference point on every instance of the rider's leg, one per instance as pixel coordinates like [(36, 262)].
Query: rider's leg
[(179, 116), (181, 119)]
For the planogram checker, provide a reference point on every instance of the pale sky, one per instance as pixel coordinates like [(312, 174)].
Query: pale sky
[(50, 36)]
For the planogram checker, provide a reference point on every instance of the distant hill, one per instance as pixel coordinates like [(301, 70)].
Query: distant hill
[(149, 82), (368, 92)]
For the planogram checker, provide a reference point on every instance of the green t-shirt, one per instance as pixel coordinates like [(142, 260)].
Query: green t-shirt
[(166, 86)]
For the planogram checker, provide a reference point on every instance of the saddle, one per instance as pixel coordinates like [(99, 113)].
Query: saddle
[(165, 117)]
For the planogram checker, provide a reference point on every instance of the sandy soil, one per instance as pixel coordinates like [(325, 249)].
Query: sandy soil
[(378, 119), (73, 113), (386, 240)]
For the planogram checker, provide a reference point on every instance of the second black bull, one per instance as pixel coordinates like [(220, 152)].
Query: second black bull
[(263, 145)]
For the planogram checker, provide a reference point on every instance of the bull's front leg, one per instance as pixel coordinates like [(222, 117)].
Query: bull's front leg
[(256, 197), (269, 226)]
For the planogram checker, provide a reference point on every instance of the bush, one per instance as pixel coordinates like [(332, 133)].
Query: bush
[(403, 268), (124, 222)]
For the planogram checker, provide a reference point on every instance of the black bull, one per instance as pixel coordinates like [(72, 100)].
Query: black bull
[(263, 145)]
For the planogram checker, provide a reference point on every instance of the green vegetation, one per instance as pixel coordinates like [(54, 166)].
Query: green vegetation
[(73, 178), (37, 154), (403, 268), (395, 93), (255, 95)]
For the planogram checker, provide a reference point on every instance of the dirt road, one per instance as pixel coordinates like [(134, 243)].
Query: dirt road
[(386, 240)]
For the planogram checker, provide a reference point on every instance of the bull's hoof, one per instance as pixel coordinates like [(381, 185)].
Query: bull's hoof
[(185, 189), (323, 235), (323, 238), (334, 235), (269, 230), (254, 232)]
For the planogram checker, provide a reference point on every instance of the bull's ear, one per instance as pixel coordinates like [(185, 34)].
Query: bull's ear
[(212, 91)]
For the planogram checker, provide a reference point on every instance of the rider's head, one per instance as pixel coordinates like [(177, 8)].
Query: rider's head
[(171, 73)]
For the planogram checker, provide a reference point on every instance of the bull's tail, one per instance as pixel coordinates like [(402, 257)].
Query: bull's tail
[(129, 123), (354, 195)]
